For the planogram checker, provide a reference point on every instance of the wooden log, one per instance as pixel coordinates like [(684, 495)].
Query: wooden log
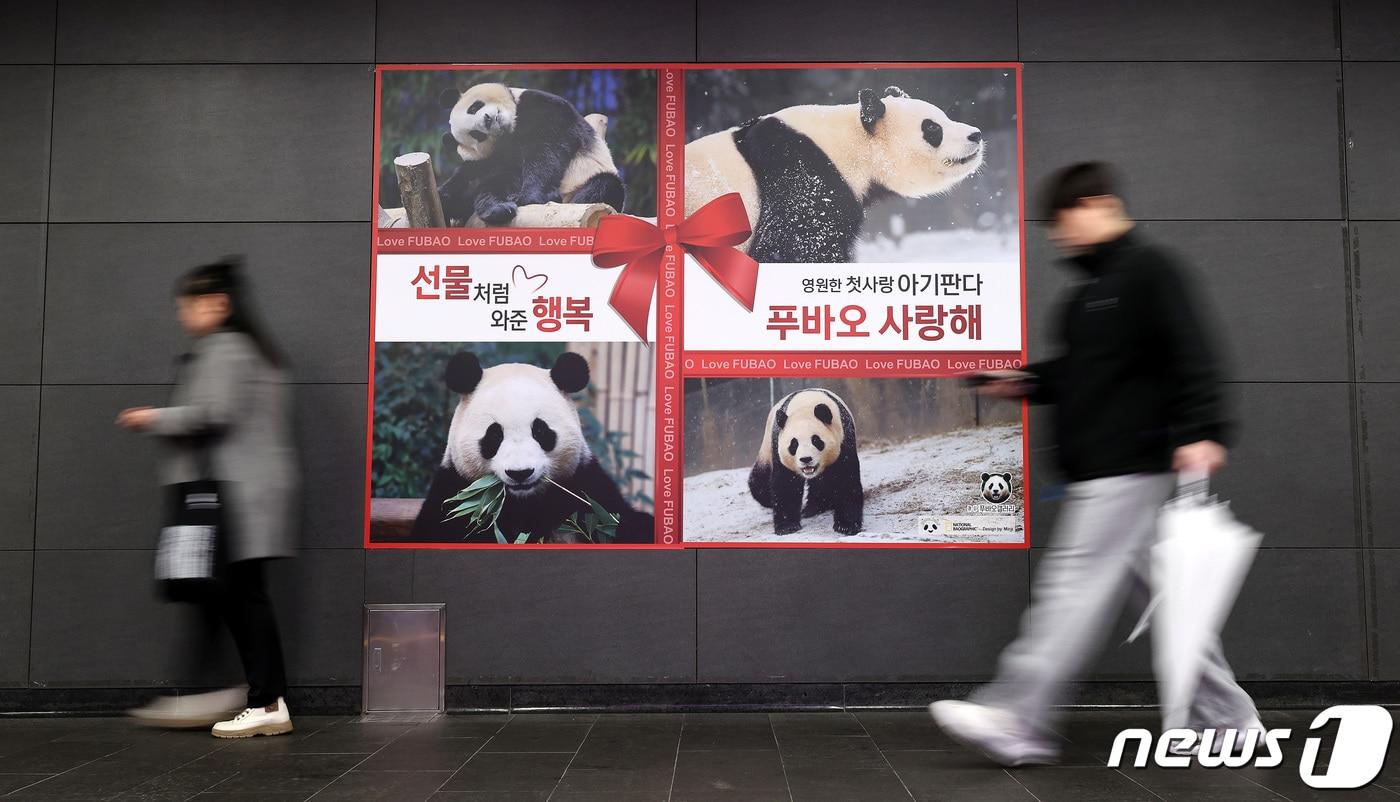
[(554, 215), (393, 217), (393, 517), (418, 189)]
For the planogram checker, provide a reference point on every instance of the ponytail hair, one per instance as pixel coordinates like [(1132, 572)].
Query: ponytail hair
[(225, 277)]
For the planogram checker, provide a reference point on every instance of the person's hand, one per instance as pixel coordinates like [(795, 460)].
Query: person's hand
[(1204, 456), (137, 418), (1005, 383)]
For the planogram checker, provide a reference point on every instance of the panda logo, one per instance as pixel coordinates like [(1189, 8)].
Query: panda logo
[(928, 526), (996, 487)]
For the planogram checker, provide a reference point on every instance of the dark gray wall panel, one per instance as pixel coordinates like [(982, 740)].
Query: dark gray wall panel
[(212, 143), (1111, 30), (87, 465), (1299, 617), (1290, 474), (22, 287), (1369, 30), (98, 622), (907, 30), (19, 431), (1229, 157), (1380, 442), (97, 32), (388, 576), (26, 35), (823, 615), (1373, 162), (330, 435), (26, 95), (563, 617), (1386, 576), (319, 599), (1276, 291), (1375, 268), (427, 31), (16, 574), (310, 285)]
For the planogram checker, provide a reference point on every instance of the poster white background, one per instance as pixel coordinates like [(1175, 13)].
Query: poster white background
[(714, 321), (400, 316)]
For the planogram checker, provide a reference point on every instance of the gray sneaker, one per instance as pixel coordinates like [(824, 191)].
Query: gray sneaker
[(993, 733)]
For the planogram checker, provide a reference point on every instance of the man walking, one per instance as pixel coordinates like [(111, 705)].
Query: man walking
[(1138, 397)]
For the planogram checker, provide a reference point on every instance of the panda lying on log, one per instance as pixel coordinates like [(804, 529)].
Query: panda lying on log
[(520, 147), (518, 422)]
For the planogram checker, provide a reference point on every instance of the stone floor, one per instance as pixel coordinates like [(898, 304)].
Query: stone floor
[(861, 756)]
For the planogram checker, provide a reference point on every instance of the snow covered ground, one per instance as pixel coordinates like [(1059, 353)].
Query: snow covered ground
[(935, 476), (960, 245)]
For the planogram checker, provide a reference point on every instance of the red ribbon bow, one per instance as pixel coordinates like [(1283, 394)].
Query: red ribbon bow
[(709, 235)]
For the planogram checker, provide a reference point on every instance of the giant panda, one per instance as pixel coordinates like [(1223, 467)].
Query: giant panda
[(523, 146), (809, 441), (518, 422), (807, 173)]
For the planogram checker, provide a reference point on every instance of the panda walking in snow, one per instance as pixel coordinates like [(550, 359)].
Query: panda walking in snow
[(517, 421), (523, 146), (809, 442), (807, 173)]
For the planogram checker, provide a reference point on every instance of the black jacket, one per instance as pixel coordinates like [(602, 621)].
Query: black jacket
[(1139, 372)]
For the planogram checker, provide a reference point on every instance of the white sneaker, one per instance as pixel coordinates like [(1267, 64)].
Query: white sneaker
[(256, 721), (190, 710), (994, 733)]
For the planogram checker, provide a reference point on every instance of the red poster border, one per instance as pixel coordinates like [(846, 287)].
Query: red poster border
[(672, 268)]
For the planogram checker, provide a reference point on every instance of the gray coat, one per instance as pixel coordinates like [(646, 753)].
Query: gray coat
[(228, 391)]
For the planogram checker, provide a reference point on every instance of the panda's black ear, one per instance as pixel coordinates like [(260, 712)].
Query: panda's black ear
[(780, 419), (894, 91), (872, 108), (1007, 477), (823, 413), (463, 372), (570, 372), (985, 477), (449, 98)]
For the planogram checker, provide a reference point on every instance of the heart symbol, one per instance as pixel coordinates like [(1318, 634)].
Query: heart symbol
[(520, 273)]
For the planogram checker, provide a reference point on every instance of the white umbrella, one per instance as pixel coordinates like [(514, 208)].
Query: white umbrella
[(1198, 564)]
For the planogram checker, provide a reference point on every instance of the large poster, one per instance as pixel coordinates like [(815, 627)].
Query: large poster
[(654, 306)]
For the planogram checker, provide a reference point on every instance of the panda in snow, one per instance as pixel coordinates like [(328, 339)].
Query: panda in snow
[(518, 422), (523, 146), (807, 173), (809, 441)]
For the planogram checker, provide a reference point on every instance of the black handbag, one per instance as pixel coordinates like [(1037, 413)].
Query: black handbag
[(189, 554)]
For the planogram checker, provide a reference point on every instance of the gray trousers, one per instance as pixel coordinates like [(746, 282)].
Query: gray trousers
[(1096, 562)]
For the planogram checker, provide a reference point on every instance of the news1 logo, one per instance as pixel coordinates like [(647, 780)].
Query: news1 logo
[(1358, 753)]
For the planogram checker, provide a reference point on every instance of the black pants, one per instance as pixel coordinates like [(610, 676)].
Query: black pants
[(242, 604)]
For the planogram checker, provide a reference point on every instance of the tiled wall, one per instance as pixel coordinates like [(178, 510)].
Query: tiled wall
[(139, 138)]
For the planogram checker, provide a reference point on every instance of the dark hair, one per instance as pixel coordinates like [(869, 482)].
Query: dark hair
[(1067, 187), (225, 277)]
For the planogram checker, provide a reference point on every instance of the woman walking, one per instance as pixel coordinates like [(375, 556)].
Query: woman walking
[(229, 422)]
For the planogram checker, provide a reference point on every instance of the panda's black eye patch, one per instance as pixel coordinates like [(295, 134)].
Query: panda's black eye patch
[(491, 441), (543, 435), (933, 133), (792, 447), (475, 107), (817, 441)]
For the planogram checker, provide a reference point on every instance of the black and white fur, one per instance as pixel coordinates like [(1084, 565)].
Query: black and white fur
[(807, 173), (518, 422), (524, 146), (809, 441)]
